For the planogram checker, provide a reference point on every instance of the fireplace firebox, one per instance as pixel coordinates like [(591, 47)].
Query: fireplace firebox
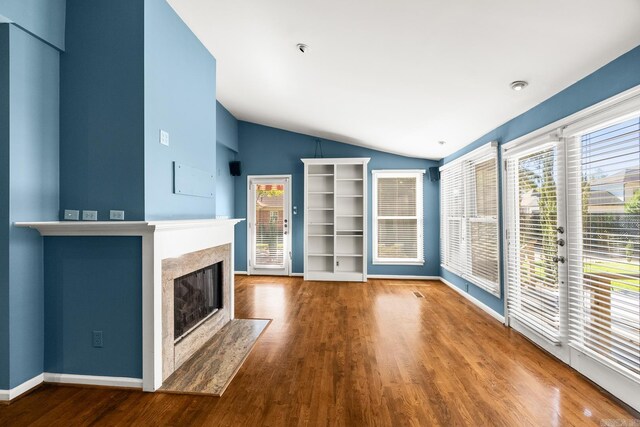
[(197, 296)]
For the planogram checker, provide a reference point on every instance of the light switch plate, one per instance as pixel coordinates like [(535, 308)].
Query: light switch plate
[(71, 215), (116, 215), (89, 215), (164, 137)]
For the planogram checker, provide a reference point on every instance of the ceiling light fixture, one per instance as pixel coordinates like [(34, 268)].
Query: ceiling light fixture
[(302, 47), (442, 142), (518, 85)]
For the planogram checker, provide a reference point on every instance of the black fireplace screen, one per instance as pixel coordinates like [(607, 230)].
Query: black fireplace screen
[(196, 296)]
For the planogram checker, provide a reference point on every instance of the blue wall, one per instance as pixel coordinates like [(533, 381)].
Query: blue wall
[(180, 98), (102, 108), (619, 75), (265, 150), (227, 127), (131, 68), (226, 149), (30, 141), (42, 18), (93, 283), (225, 183)]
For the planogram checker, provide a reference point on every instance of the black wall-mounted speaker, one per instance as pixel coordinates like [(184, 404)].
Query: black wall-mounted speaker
[(235, 168), (434, 174)]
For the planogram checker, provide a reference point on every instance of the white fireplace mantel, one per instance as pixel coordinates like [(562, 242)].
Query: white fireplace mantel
[(160, 240)]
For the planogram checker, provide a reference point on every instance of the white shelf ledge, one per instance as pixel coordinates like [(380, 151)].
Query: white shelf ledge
[(120, 228)]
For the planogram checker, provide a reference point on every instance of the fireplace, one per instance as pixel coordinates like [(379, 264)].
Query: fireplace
[(197, 296), (197, 288)]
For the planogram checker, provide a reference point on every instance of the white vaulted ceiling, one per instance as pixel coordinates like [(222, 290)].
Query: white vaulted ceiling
[(400, 75)]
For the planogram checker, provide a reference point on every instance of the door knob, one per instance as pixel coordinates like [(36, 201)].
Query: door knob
[(559, 259), (560, 242)]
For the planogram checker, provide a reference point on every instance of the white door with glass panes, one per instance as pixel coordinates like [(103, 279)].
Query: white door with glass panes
[(269, 236), (603, 159), (572, 223), (536, 274)]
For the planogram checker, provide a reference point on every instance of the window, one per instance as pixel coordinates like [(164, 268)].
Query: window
[(469, 218), (397, 217)]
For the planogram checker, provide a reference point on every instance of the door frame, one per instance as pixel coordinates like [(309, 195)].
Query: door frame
[(288, 256), (520, 148)]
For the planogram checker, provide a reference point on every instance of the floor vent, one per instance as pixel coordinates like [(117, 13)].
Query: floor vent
[(418, 294)]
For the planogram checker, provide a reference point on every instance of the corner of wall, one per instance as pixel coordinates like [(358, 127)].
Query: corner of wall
[(4, 206)]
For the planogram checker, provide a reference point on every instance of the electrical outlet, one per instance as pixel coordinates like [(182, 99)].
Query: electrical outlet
[(164, 137), (116, 215), (71, 215), (97, 339), (89, 215)]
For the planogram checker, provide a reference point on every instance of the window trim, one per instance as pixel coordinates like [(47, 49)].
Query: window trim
[(398, 173)]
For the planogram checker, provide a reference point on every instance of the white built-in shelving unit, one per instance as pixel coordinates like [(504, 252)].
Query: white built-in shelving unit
[(335, 219)]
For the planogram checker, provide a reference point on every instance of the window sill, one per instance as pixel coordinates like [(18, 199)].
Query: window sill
[(385, 262)]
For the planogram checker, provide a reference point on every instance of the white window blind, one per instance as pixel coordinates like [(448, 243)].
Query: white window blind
[(398, 217), (604, 242), (469, 218)]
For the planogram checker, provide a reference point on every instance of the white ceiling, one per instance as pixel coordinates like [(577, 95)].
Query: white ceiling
[(400, 75)]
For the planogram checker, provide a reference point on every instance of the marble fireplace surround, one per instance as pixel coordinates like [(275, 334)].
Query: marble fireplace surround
[(174, 354), (161, 240)]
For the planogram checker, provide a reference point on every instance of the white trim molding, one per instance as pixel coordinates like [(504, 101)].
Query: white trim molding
[(93, 380), (401, 277), (418, 175), (8, 395), (499, 317)]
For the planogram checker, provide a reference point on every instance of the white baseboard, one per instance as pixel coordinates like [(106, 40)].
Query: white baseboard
[(92, 380), (7, 395), (369, 276), (499, 317), (401, 277)]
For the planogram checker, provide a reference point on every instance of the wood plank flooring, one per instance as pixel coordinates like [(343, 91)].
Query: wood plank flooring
[(354, 354)]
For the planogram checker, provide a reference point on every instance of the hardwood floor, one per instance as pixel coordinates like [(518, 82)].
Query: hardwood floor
[(355, 354)]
